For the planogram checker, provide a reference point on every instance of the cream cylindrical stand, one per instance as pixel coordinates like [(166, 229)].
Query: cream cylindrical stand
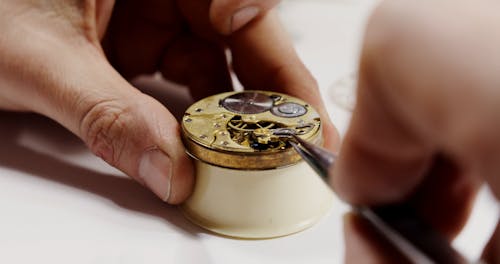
[(257, 203)]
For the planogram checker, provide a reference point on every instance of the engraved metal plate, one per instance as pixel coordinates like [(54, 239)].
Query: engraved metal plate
[(235, 129)]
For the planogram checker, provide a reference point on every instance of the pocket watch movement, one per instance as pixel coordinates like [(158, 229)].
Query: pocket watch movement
[(236, 129)]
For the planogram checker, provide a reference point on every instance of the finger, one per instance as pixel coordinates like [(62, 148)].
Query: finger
[(383, 161), (138, 33), (446, 196), (389, 153), (382, 158), (199, 64), (363, 244), (136, 134), (73, 84), (103, 11), (160, 34), (228, 16), (264, 59), (261, 66)]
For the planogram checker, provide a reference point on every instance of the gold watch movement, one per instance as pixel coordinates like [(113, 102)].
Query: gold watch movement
[(236, 129)]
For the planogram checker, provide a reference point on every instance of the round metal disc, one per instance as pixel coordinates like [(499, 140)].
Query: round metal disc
[(248, 103), (289, 110)]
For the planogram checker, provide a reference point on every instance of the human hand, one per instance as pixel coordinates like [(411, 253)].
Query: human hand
[(425, 128), (53, 63)]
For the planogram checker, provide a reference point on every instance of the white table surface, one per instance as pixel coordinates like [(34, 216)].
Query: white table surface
[(61, 204)]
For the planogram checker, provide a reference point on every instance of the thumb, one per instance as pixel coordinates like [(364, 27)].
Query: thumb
[(392, 153), (134, 133), (129, 130)]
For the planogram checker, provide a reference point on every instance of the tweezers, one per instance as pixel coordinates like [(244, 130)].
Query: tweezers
[(399, 224)]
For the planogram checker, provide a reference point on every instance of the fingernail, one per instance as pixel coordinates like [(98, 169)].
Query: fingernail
[(243, 16), (155, 169)]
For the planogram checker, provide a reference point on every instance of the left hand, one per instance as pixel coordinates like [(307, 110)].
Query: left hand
[(69, 60)]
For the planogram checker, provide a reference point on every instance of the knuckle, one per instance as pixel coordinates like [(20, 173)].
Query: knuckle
[(103, 129)]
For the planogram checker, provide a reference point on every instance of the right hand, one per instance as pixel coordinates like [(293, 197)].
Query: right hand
[(426, 127)]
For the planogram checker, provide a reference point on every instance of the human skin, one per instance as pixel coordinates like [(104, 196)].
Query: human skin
[(70, 61), (425, 130)]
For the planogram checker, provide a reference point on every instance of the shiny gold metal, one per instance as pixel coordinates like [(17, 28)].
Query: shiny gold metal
[(235, 129)]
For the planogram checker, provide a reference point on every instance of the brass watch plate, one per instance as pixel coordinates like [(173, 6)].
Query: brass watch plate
[(235, 129)]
